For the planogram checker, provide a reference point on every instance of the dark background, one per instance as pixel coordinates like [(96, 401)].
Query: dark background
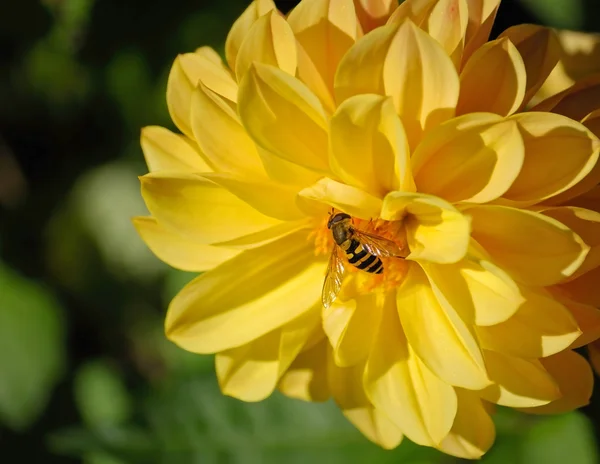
[(85, 372)]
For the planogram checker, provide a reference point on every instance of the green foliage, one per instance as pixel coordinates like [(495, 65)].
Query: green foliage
[(564, 14), (32, 348)]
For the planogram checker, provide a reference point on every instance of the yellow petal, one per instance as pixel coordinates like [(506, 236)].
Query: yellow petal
[(533, 248), (306, 379), (493, 80), (445, 20), (421, 405), (473, 431), (242, 25), (540, 50), (584, 289), (482, 14), (200, 209), (368, 146), (404, 62), (588, 200), (351, 327), (374, 13), (250, 372), (541, 327), (575, 380), (270, 198), (187, 71), (576, 101), (271, 41), (285, 172), (346, 386), (439, 337), (519, 383), (178, 251), (326, 29), (375, 425), (280, 281), (167, 151), (594, 356), (482, 292), (351, 200), (435, 230), (586, 224), (588, 321), (551, 140), (284, 117), (579, 58), (474, 158), (308, 73), (220, 135)]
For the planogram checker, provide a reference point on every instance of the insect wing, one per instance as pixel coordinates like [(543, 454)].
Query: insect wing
[(333, 278), (378, 246)]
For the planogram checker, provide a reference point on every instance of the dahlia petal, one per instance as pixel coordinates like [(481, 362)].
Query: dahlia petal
[(399, 383), (167, 151), (177, 251), (436, 231), (250, 372), (586, 224), (187, 71), (484, 294), (199, 209), (326, 29), (534, 249), (445, 20), (574, 378), (281, 281), (404, 62), (473, 431), (221, 137), (367, 128), (284, 117), (270, 198), (584, 289), (541, 327), (242, 25), (344, 197), (374, 13), (519, 383), (375, 425), (482, 14), (346, 386), (286, 172), (493, 80), (271, 41), (351, 327), (594, 356), (588, 200), (474, 158), (308, 73), (588, 321), (306, 378), (440, 338), (540, 50), (575, 102), (551, 140)]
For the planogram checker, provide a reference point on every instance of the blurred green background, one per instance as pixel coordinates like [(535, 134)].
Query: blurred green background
[(86, 374)]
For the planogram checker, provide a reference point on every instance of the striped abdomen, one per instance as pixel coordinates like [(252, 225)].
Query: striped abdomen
[(361, 258)]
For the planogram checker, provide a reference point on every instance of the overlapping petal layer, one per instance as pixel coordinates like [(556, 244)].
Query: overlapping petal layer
[(422, 133)]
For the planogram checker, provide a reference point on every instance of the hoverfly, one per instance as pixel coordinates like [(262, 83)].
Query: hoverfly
[(363, 250)]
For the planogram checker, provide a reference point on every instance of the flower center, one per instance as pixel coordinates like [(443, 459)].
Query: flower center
[(357, 281)]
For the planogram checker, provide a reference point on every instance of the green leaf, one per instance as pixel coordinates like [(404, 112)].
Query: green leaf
[(559, 439), (100, 395), (32, 351)]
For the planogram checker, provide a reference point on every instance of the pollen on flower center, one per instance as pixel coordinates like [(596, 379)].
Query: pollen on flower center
[(394, 268)]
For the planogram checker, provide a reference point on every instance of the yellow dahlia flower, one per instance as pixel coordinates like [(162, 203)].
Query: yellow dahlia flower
[(409, 121)]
